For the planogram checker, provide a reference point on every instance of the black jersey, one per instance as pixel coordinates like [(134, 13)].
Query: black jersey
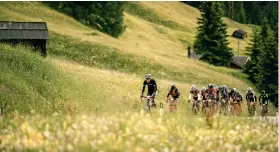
[(152, 87)]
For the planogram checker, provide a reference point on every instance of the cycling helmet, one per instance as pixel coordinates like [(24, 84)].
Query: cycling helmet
[(249, 89), (263, 91), (234, 89), (148, 76), (193, 86), (210, 86), (173, 87), (203, 88)]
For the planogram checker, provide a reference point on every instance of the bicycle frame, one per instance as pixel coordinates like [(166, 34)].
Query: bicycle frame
[(172, 104), (195, 105), (251, 108), (264, 110), (149, 100)]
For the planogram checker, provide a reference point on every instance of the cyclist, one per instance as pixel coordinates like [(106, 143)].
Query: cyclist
[(263, 99), (194, 93), (251, 97), (211, 93), (224, 92), (232, 93), (237, 99), (223, 99), (204, 98), (152, 88), (217, 92), (203, 93), (173, 94)]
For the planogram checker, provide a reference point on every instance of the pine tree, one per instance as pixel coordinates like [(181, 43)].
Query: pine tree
[(211, 35), (268, 74), (265, 29), (255, 49), (242, 13)]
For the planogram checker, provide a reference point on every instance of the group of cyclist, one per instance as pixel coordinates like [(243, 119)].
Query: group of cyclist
[(208, 97)]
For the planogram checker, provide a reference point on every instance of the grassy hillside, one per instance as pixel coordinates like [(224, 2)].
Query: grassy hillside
[(85, 94), (141, 39), (131, 53)]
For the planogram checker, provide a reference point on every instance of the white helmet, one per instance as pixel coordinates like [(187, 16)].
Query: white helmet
[(193, 86), (249, 89), (203, 89), (148, 76)]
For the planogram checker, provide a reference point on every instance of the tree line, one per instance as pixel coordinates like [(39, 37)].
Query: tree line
[(211, 42), (248, 12), (263, 66)]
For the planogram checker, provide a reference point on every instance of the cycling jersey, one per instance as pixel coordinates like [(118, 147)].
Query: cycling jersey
[(152, 87), (224, 94), (174, 93), (237, 98), (203, 94), (250, 96), (211, 94), (263, 98), (194, 92)]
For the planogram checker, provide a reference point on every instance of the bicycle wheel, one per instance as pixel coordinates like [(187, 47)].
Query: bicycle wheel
[(148, 105)]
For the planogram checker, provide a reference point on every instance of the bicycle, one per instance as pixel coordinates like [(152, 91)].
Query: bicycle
[(172, 104), (236, 106), (224, 106), (149, 102), (264, 110), (196, 105), (252, 108), (231, 108)]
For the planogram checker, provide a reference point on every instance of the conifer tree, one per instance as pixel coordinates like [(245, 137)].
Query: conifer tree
[(211, 35), (255, 50), (268, 73)]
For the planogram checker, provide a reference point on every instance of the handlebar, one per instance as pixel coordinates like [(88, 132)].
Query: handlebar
[(145, 97)]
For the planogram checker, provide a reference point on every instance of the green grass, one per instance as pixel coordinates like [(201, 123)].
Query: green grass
[(105, 104), (149, 15), (105, 57), (139, 131), (28, 82), (160, 30), (101, 56)]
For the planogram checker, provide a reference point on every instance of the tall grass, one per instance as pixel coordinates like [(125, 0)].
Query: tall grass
[(139, 132), (30, 84)]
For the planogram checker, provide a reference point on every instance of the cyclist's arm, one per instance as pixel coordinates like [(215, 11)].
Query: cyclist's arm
[(255, 98), (168, 94), (143, 88), (246, 97)]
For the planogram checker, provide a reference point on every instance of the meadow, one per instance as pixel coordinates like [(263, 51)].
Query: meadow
[(84, 96)]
